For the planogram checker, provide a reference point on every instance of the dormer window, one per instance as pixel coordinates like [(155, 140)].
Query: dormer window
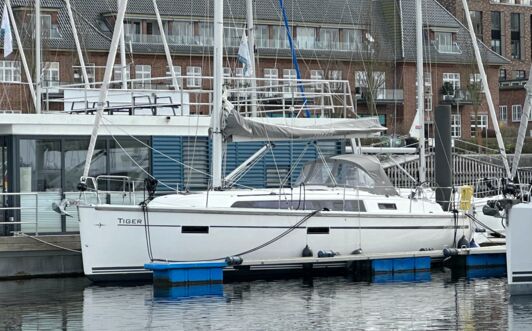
[(49, 26), (443, 39)]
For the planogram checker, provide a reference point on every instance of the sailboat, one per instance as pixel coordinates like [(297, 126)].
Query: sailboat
[(343, 204)]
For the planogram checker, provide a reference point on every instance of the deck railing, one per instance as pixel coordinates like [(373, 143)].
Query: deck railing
[(270, 96)]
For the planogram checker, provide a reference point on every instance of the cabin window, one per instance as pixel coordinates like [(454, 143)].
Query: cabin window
[(195, 229), (331, 205), (318, 230), (387, 206)]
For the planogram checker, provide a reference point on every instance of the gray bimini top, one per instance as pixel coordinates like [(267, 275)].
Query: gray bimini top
[(348, 170)]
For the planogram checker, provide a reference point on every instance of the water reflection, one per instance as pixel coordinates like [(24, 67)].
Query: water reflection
[(434, 301)]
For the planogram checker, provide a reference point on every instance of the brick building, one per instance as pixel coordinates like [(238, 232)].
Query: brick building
[(369, 43), (506, 26)]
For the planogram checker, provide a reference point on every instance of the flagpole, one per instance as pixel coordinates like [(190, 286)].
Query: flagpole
[(21, 52)]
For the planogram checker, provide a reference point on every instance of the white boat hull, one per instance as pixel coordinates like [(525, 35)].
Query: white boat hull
[(115, 238)]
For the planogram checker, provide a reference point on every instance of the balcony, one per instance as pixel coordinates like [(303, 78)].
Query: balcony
[(460, 96), (235, 42), (382, 95)]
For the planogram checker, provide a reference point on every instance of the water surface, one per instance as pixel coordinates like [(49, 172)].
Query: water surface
[(435, 301)]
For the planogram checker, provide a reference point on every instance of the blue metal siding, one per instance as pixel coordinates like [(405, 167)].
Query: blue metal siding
[(282, 157), (166, 170)]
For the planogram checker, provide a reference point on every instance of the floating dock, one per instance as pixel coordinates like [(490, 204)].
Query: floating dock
[(378, 266)]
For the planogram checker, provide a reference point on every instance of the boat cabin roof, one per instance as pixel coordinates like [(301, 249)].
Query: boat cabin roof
[(348, 170)]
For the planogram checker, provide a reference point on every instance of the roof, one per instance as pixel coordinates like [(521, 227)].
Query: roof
[(435, 15), (391, 23)]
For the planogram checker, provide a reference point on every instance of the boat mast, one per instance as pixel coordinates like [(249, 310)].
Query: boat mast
[(78, 45), (486, 89), (251, 44), (166, 48), (21, 52), (525, 117), (123, 62), (217, 139), (119, 26), (38, 70), (420, 93)]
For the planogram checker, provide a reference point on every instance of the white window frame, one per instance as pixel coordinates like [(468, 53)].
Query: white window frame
[(306, 37), (143, 71), (271, 75), (482, 125), (335, 75), (444, 42), (453, 78), (476, 78), (503, 113), (10, 71), (456, 125), (317, 75), (117, 73), (177, 72), (194, 77), (517, 112), (289, 80), (50, 75)]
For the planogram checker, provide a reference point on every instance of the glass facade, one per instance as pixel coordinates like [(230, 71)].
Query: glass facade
[(49, 170)]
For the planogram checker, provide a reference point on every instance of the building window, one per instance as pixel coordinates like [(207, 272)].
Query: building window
[(271, 75), (91, 73), (517, 112), (519, 74), (194, 77), (179, 33), (475, 81), (476, 18), (444, 42), (502, 74), (329, 38), (503, 113), (317, 75), (262, 36), (10, 71), (177, 72), (117, 73), (453, 79), (206, 33), (496, 35), (456, 126), (306, 37), (49, 30), (280, 39), (515, 32), (335, 75), (289, 80), (352, 39), (50, 74), (227, 73), (241, 82), (143, 76), (478, 123)]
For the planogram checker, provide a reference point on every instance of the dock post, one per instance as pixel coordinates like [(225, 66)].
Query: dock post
[(443, 158)]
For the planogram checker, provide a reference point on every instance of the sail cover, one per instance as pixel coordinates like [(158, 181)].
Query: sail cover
[(239, 128)]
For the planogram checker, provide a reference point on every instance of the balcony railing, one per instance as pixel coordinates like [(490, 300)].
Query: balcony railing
[(381, 95), (460, 96), (235, 42)]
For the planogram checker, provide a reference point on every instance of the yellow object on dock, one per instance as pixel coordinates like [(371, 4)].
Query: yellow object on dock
[(466, 197)]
